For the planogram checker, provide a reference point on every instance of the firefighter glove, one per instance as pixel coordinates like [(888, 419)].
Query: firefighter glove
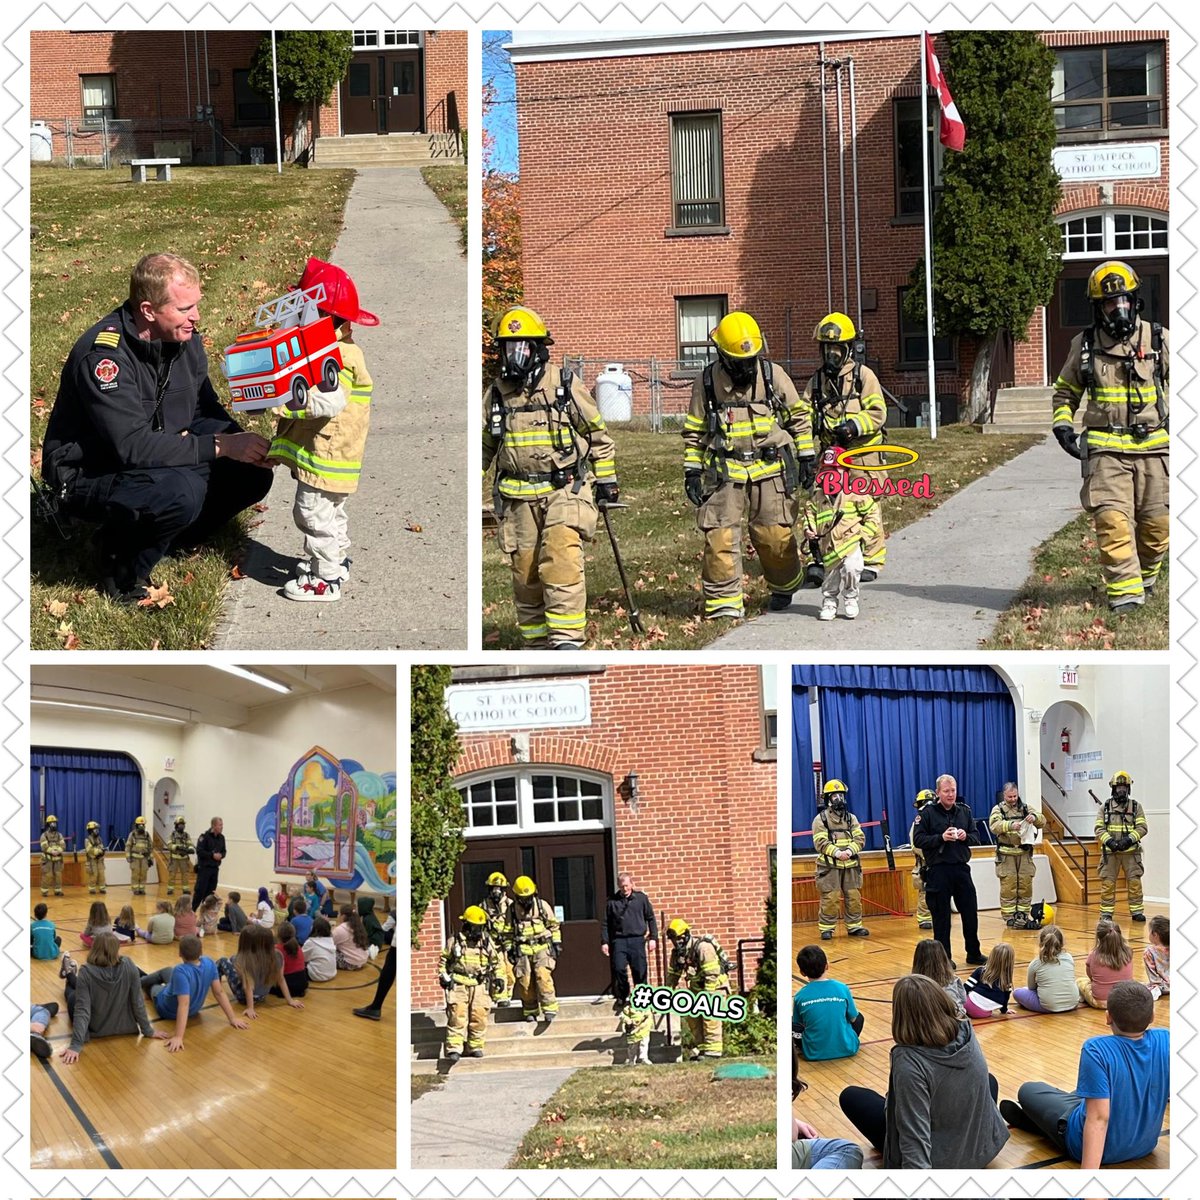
[(496, 988), (555, 949), (808, 472), (1121, 844), (607, 493), (445, 980), (844, 433), (1068, 439), (693, 485)]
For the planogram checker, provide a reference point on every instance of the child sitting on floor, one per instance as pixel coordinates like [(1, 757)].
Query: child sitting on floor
[(234, 920), (350, 938), (1157, 957), (1050, 980), (44, 942), (320, 954), (825, 1021), (255, 969), (185, 919), (990, 986), (1110, 962), (126, 925), (264, 913), (160, 929), (930, 958), (98, 921), (178, 992), (208, 915), (301, 922), (294, 972)]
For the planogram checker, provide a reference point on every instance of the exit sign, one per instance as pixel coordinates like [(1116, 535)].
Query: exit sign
[(1068, 677)]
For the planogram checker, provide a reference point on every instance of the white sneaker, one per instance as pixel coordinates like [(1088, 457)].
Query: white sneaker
[(305, 587), (304, 567), (850, 608), (828, 610)]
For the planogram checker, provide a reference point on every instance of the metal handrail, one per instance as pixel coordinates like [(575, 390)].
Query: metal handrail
[(1067, 839), (743, 947)]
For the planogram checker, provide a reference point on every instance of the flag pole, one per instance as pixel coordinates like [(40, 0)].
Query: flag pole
[(925, 193)]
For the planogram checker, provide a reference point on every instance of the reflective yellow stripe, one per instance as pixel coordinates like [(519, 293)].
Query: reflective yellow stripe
[(1150, 573), (734, 601), (1060, 382), (804, 446), (566, 620), (533, 632), (791, 585), (691, 457), (597, 425), (1126, 443), (1119, 395), (1125, 587), (606, 468), (523, 489), (306, 460), (107, 339), (693, 423), (539, 437), (1063, 415)]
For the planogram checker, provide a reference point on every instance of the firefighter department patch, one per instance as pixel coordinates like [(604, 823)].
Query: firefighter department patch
[(106, 371)]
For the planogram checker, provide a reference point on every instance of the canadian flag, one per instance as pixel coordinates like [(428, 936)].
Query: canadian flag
[(953, 133)]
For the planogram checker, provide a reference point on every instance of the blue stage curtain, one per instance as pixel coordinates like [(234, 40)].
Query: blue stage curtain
[(83, 786), (887, 742), (802, 773)]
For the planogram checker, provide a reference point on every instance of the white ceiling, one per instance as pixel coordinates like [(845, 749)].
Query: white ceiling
[(193, 692)]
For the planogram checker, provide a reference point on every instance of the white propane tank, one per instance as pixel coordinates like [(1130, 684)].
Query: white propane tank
[(41, 145), (614, 393)]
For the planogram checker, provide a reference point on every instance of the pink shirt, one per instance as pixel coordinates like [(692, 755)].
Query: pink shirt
[(185, 924), (1103, 977), (349, 956)]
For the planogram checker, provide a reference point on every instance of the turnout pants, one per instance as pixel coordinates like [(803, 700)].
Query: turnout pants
[(51, 876), (1126, 495), (321, 517), (467, 1011), (543, 540), (832, 885), (178, 871), (94, 868), (952, 881), (535, 984), (771, 515), (628, 958), (704, 1035), (1015, 872), (1112, 865), (923, 917), (842, 579), (145, 513), (137, 875)]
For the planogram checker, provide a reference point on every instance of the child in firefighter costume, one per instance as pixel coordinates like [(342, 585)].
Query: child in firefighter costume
[(840, 526), (699, 964), (1010, 820), (469, 972), (848, 413), (924, 917), (139, 850), (838, 840), (323, 442), (53, 847), (495, 906), (1119, 370), (179, 858), (1120, 830), (555, 465), (534, 943), (635, 1026), (748, 453), (93, 860)]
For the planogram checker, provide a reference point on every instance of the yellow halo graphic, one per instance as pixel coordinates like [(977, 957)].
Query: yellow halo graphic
[(845, 459)]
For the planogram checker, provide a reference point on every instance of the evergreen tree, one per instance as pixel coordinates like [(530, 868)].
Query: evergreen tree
[(996, 247), (766, 979), (310, 62), (437, 810)]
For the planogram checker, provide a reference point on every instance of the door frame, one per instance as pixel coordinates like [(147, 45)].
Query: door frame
[(385, 52)]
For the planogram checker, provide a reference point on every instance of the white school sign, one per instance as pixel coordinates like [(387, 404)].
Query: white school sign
[(481, 707), (1116, 160)]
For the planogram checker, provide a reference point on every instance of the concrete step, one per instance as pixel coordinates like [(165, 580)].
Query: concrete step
[(507, 1031), (535, 1062), (1041, 393), (1005, 426), (1031, 404), (543, 1043), (581, 1020)]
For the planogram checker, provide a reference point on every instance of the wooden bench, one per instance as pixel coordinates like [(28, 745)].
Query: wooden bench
[(162, 168)]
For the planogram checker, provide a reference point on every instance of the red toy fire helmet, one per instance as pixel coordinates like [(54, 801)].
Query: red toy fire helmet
[(829, 460), (341, 296)]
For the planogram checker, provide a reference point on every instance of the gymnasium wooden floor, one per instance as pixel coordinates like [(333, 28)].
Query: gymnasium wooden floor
[(223, 1100), (1019, 1048)]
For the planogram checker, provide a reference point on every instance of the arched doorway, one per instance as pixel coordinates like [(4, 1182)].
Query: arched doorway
[(167, 806), (1075, 771), (554, 824)]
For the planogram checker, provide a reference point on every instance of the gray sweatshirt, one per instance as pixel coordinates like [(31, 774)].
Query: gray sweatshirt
[(108, 1001), (939, 1110)]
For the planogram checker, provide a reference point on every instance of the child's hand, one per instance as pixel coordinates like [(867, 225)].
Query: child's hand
[(238, 1024), (175, 1044), (295, 1004), (69, 1055), (251, 1015)]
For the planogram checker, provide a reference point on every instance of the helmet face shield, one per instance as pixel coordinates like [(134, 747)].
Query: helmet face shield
[(1116, 314), (741, 371), (834, 356), (517, 357)]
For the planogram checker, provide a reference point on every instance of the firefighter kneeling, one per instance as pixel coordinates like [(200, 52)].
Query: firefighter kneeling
[(838, 838), (701, 965), (534, 944), (470, 974), (1120, 829), (1010, 821)]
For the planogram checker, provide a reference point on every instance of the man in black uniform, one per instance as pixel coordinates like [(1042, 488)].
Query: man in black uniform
[(627, 918), (945, 832), (210, 853), (138, 440)]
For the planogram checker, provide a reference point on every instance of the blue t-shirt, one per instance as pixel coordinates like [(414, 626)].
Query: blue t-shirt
[(41, 938), (302, 924), (822, 1012), (1134, 1076), (187, 979)]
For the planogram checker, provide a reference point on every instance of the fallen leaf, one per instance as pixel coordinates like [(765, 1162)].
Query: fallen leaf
[(188, 578), (411, 527), (56, 608), (155, 645), (72, 642), (260, 507), (156, 597), (492, 638), (236, 573)]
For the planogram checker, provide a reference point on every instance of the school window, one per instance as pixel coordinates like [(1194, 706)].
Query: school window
[(695, 318), (249, 107), (1133, 232), (1098, 88), (1114, 231), (366, 39), (913, 340), (401, 37), (906, 114), (770, 715), (99, 94), (536, 800), (697, 179)]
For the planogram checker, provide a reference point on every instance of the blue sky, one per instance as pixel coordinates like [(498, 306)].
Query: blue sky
[(501, 119)]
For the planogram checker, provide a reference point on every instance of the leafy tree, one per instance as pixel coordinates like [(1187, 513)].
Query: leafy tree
[(502, 286), (437, 810), (996, 248), (311, 63)]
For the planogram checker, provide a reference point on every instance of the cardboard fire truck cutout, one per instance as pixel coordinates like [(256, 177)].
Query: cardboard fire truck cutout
[(291, 350)]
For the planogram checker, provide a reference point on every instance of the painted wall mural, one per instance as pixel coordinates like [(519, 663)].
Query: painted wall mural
[(336, 818)]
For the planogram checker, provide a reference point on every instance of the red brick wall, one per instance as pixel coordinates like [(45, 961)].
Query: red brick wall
[(446, 106), (152, 83), (595, 153), (699, 843)]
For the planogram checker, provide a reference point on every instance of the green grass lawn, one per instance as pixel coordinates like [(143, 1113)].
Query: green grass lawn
[(672, 1115), (249, 231), (1063, 604), (449, 184), (661, 546)]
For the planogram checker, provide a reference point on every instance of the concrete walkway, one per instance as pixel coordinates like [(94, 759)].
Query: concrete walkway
[(949, 575), (407, 589), (477, 1121)]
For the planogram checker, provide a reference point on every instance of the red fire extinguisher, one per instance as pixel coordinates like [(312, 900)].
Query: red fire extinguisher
[(1065, 741)]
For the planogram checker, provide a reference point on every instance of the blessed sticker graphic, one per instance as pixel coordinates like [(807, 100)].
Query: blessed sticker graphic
[(106, 370)]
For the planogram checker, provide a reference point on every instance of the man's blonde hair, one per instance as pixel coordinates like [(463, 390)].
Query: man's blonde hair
[(153, 275)]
